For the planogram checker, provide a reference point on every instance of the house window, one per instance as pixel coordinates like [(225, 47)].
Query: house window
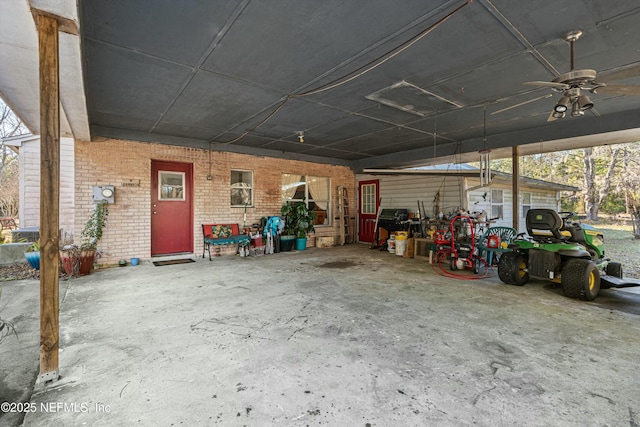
[(497, 204), (315, 191), (526, 204), (241, 188), (171, 185)]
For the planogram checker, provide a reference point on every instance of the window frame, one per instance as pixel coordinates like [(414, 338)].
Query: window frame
[(307, 195), (250, 188), (183, 178), (526, 205), (497, 204)]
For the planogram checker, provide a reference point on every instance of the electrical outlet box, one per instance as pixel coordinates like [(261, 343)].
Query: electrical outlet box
[(102, 193)]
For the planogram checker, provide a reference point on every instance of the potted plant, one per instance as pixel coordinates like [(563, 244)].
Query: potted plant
[(288, 236), (91, 235), (302, 224), (70, 258), (33, 255)]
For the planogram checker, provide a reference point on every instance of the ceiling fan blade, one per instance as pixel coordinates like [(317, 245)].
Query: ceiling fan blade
[(548, 84), (620, 73), (551, 117), (619, 89)]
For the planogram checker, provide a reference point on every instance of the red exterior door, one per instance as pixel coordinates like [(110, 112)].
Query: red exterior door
[(171, 208), (369, 192)]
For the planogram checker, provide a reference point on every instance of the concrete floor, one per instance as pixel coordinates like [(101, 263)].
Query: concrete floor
[(340, 336)]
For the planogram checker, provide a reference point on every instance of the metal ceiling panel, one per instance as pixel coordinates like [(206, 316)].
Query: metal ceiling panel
[(198, 71), (126, 84), (217, 102), (288, 44), (178, 31)]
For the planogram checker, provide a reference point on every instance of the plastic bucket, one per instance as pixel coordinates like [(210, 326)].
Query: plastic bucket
[(401, 246), (402, 235), (391, 244)]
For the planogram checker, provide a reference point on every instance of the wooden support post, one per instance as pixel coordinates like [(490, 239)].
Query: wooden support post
[(49, 196), (515, 177)]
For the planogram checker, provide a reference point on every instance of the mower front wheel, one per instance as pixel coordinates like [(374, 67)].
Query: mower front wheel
[(614, 269), (581, 279), (512, 269)]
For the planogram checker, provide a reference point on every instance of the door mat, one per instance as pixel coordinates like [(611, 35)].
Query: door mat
[(173, 261)]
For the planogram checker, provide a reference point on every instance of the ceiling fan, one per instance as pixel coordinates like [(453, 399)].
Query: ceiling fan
[(572, 84)]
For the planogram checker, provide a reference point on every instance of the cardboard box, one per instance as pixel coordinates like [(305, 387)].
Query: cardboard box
[(325, 242)]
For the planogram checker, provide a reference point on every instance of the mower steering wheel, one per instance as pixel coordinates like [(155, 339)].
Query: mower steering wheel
[(566, 214)]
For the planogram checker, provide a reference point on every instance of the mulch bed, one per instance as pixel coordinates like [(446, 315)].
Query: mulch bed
[(22, 271), (18, 272)]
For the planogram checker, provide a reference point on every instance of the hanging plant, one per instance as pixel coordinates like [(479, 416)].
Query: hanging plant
[(92, 232)]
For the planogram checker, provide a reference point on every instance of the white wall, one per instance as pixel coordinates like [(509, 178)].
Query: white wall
[(29, 210), (404, 191), (539, 199)]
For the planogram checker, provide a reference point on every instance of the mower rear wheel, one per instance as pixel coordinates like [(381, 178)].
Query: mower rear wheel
[(581, 279), (512, 269)]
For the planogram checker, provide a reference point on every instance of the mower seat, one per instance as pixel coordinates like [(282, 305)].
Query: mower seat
[(544, 225)]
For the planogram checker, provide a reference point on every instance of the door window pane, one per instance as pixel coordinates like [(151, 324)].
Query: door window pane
[(171, 185), (368, 199)]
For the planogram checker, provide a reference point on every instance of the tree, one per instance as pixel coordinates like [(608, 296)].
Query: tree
[(596, 170), (631, 184), (599, 172), (10, 125)]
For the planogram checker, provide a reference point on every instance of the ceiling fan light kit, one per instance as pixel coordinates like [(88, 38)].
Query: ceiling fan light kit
[(572, 82), (562, 105)]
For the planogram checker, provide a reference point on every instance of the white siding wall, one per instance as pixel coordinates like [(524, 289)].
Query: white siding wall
[(539, 199), (480, 200), (404, 191), (30, 184)]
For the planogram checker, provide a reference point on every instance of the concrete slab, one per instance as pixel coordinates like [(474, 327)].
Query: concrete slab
[(340, 336), (11, 253)]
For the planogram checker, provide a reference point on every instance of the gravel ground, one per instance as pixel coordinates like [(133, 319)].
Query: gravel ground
[(620, 246)]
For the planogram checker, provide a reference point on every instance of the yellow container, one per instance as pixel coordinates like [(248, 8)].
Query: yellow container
[(402, 235)]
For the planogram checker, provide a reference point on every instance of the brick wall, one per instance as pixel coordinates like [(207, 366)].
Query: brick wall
[(127, 166)]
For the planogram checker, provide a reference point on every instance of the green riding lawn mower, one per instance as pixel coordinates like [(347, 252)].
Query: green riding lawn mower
[(563, 251)]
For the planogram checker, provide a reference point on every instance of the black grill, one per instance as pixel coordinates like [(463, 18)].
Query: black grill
[(393, 219)]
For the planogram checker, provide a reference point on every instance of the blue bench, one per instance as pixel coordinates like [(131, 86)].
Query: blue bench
[(223, 234)]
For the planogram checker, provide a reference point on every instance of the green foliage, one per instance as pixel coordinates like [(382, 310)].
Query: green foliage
[(286, 211), (614, 203), (34, 247), (298, 219), (92, 232)]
